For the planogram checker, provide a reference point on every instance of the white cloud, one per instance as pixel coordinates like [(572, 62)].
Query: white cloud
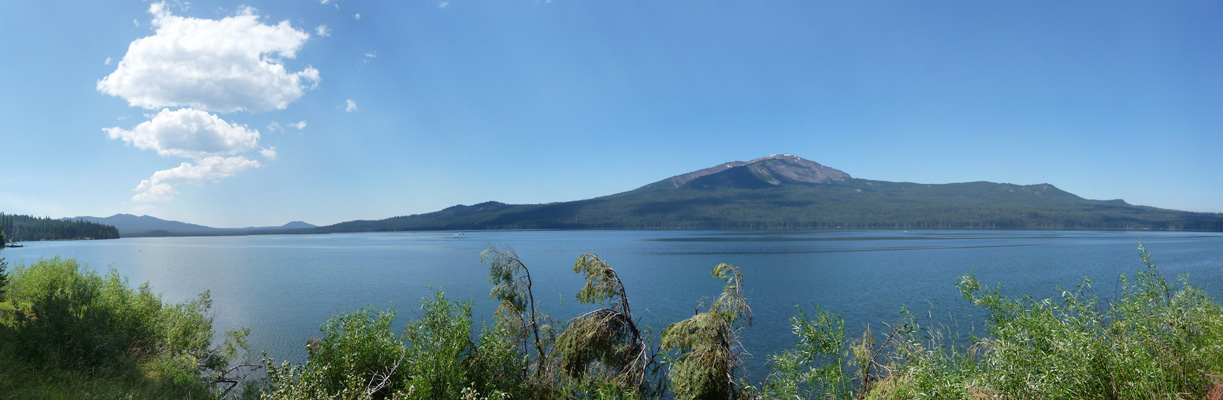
[(443, 4), (225, 65), (150, 192), (322, 30), (352, 106), (357, 16), (268, 153), (136, 22), (324, 1), (160, 187), (108, 60), (188, 133), (276, 126)]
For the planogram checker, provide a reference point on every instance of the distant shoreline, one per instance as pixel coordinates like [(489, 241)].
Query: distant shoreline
[(313, 232)]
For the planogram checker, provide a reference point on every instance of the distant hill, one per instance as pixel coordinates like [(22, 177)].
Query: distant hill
[(144, 225), (789, 192), (292, 225)]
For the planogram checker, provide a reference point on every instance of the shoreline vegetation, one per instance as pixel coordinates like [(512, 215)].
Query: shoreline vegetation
[(69, 332)]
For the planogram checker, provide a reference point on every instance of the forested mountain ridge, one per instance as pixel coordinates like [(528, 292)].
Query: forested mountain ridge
[(144, 225), (788, 192), (24, 228)]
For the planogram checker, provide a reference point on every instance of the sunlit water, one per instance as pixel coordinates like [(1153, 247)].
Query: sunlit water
[(284, 287)]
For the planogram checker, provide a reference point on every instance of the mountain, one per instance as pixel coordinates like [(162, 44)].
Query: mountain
[(788, 192), (144, 225), (298, 225)]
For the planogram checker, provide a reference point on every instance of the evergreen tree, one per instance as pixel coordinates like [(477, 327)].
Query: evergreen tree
[(3, 267)]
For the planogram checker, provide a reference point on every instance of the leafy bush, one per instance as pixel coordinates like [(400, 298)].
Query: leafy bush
[(706, 345), (62, 315), (439, 343), (359, 356), (357, 351), (1156, 339)]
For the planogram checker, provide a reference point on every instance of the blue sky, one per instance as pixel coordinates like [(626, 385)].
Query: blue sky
[(256, 113)]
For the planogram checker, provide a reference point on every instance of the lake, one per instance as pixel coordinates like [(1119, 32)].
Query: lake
[(284, 287)]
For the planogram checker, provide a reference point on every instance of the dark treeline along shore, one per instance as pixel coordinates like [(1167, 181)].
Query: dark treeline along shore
[(24, 228)]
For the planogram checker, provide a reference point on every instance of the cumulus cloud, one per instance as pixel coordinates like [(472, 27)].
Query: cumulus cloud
[(160, 187), (225, 65), (299, 125), (108, 60), (188, 133), (268, 153), (357, 16), (352, 106), (322, 30), (443, 4)]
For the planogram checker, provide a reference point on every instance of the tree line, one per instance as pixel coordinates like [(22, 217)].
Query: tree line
[(25, 228)]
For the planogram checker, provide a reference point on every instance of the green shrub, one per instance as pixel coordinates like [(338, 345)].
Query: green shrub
[(66, 318), (499, 366), (359, 356), (356, 353), (439, 342), (814, 368), (1154, 340), (706, 346)]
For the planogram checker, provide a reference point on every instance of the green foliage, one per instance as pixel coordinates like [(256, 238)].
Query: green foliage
[(606, 336), (356, 349), (68, 320), (3, 268), (439, 343), (814, 368), (24, 228), (707, 346), (498, 366), (1155, 340), (359, 356), (511, 281)]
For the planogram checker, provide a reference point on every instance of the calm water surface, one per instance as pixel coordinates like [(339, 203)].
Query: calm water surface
[(284, 287)]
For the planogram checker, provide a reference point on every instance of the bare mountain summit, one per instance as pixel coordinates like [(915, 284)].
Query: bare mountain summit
[(765, 171)]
